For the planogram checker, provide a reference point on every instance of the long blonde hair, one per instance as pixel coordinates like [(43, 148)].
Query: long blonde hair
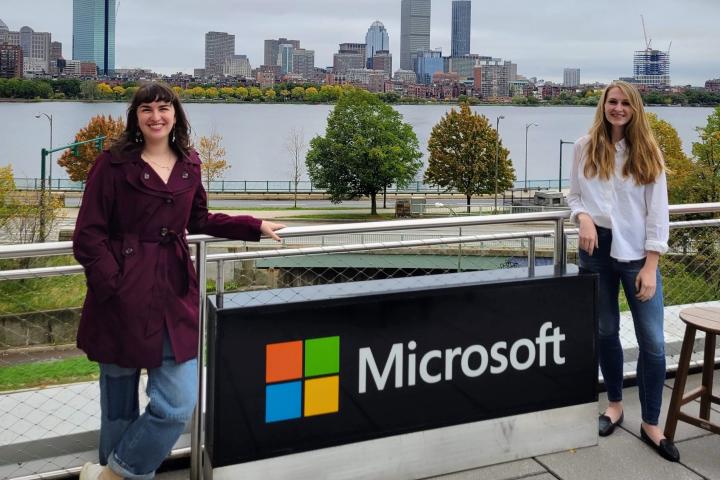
[(644, 159)]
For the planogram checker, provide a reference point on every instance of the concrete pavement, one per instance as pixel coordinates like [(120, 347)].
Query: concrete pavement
[(621, 456)]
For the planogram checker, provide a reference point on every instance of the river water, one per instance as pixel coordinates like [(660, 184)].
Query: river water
[(255, 135)]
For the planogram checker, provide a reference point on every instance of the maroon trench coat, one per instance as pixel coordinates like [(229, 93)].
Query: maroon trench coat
[(130, 237)]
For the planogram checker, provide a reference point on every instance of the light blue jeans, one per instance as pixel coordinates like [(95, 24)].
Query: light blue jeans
[(647, 319), (134, 445)]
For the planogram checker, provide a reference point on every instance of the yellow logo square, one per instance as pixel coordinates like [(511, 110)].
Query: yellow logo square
[(322, 395)]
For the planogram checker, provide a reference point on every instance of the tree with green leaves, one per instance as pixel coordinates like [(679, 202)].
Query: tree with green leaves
[(705, 185), (678, 164), (366, 147), (466, 153)]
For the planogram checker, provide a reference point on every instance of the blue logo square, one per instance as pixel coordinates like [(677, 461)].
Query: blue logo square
[(283, 401)]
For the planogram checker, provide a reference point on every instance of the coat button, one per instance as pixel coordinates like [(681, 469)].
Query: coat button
[(128, 251), (146, 176), (168, 200), (163, 232), (185, 175)]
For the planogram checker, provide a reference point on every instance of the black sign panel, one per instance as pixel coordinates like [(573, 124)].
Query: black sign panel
[(320, 366)]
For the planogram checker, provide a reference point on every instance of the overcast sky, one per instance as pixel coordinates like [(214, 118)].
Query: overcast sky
[(542, 37)]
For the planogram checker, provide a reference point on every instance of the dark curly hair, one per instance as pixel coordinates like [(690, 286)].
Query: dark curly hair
[(131, 139)]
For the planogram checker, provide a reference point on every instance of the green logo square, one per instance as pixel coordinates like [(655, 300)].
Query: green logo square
[(322, 356)]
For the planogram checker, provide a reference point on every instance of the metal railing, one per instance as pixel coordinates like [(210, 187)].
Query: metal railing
[(342, 253), (273, 186)]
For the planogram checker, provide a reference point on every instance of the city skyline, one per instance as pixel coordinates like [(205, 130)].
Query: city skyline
[(542, 42)]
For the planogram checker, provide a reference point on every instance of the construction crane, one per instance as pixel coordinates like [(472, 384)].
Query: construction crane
[(648, 41)]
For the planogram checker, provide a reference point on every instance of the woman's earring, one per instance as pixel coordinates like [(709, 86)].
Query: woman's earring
[(173, 135), (138, 137)]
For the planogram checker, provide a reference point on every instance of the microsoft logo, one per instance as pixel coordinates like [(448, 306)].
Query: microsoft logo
[(302, 378)]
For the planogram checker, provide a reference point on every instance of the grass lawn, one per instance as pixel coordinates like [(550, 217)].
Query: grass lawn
[(298, 209), (42, 374), (364, 216), (38, 294)]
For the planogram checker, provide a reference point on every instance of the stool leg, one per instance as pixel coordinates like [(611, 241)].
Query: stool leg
[(707, 375), (680, 380)]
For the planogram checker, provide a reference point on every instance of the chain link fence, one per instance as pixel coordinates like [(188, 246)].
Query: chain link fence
[(49, 405)]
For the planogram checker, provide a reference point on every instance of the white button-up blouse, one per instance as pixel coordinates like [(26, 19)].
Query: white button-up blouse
[(637, 214)]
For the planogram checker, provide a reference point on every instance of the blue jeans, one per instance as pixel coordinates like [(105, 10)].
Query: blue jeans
[(134, 445), (647, 319)]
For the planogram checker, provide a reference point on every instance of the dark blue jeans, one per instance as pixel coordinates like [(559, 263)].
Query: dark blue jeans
[(647, 320)]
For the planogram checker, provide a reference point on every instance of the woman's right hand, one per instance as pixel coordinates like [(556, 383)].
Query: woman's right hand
[(588, 234)]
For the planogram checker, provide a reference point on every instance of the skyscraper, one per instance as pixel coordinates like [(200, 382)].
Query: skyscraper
[(376, 39), (285, 57), (303, 62), (571, 77), (350, 55), (428, 63), (218, 47), (4, 30), (414, 30), (55, 55), (35, 48), (272, 47), (651, 67), (460, 28), (94, 33)]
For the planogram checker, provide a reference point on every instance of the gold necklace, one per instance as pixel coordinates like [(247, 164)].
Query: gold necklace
[(164, 167)]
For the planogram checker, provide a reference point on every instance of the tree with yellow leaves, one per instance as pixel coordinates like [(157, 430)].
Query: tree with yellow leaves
[(105, 90), (212, 155), (26, 217), (78, 166)]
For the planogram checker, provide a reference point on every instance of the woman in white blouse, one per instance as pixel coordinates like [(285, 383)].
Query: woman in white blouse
[(618, 196)]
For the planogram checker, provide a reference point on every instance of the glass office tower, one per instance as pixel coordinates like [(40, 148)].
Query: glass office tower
[(94, 33)]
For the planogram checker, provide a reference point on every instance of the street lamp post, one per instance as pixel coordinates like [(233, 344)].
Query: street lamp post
[(562, 142), (527, 127), (497, 154), (42, 180), (43, 200)]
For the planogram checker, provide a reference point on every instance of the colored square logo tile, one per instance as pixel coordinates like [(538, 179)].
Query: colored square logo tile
[(283, 401), (322, 395), (283, 361), (322, 356)]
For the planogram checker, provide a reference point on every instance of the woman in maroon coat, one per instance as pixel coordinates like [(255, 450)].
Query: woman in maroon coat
[(141, 309)]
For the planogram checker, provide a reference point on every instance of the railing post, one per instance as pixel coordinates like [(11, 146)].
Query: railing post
[(43, 155), (459, 269), (559, 256), (531, 256), (196, 441), (220, 283)]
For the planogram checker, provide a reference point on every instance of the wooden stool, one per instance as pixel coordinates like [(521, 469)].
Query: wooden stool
[(705, 319)]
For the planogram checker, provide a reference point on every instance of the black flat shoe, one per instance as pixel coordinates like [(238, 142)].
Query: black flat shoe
[(606, 426), (666, 449)]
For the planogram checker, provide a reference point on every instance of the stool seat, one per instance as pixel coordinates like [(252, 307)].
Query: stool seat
[(705, 319)]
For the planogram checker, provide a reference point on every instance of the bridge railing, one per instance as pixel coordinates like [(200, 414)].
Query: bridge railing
[(269, 186)]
